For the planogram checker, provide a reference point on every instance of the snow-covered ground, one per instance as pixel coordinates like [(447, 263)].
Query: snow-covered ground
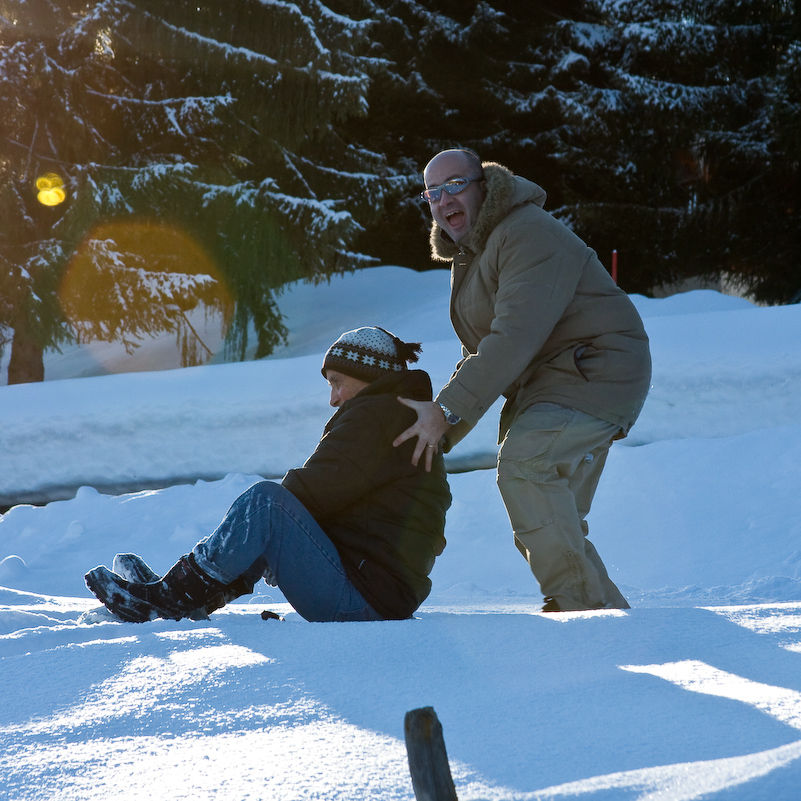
[(693, 693)]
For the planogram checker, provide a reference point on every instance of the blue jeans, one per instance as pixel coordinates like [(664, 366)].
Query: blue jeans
[(268, 530)]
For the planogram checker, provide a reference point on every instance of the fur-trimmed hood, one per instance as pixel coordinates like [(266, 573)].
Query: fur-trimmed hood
[(505, 191)]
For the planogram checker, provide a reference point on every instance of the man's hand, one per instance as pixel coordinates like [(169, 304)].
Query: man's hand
[(428, 429)]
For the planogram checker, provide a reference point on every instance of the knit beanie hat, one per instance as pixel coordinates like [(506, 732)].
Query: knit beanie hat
[(369, 353)]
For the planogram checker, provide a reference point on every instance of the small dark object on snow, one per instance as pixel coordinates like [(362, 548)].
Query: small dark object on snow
[(268, 615)]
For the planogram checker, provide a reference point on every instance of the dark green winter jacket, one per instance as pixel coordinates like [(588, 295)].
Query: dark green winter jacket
[(385, 516)]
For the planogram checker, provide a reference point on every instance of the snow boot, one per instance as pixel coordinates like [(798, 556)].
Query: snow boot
[(551, 604), (133, 568), (230, 592), (183, 590)]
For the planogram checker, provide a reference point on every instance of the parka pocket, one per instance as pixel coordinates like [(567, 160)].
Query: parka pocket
[(561, 370), (590, 362)]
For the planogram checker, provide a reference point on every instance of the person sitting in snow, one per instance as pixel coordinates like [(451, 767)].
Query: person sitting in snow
[(350, 535)]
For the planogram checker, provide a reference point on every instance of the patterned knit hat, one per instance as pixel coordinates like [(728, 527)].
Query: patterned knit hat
[(369, 353)]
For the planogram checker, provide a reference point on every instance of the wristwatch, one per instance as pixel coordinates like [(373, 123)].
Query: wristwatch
[(450, 418)]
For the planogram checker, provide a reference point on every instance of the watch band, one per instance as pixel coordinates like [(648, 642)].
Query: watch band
[(450, 418)]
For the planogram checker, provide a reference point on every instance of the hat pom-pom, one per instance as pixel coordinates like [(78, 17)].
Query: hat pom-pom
[(408, 350)]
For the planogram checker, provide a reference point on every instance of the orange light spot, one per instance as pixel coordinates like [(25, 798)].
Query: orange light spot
[(136, 278)]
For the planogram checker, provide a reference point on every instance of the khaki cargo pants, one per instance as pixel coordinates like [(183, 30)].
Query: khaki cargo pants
[(549, 466)]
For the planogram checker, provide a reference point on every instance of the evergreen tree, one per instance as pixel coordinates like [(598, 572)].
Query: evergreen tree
[(457, 74), (658, 128), (156, 157), (774, 212), (673, 159), (159, 156)]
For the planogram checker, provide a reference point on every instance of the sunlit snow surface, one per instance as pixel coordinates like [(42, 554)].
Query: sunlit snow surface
[(693, 693), (650, 703)]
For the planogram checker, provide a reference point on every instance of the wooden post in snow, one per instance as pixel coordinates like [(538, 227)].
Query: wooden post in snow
[(614, 266), (428, 759)]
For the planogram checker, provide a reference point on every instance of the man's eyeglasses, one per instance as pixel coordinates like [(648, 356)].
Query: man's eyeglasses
[(452, 187)]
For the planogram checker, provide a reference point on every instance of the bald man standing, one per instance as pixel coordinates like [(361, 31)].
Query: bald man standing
[(542, 323)]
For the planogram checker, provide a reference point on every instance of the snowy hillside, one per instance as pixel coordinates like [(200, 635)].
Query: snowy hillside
[(693, 693)]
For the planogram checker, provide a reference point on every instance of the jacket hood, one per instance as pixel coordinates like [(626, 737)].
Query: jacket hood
[(505, 191)]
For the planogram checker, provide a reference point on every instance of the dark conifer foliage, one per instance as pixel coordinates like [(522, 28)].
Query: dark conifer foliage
[(159, 156), (683, 168), (471, 74), (188, 155), (662, 129)]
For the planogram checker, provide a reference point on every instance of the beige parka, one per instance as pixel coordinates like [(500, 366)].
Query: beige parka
[(538, 316)]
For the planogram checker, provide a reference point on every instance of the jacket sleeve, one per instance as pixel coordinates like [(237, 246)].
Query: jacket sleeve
[(537, 273), (353, 457)]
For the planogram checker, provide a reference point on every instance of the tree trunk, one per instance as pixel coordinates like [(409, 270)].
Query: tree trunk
[(26, 364)]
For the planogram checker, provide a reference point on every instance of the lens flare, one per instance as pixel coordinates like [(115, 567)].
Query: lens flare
[(133, 279), (51, 190)]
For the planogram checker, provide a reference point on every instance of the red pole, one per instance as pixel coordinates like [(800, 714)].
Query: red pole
[(614, 266)]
